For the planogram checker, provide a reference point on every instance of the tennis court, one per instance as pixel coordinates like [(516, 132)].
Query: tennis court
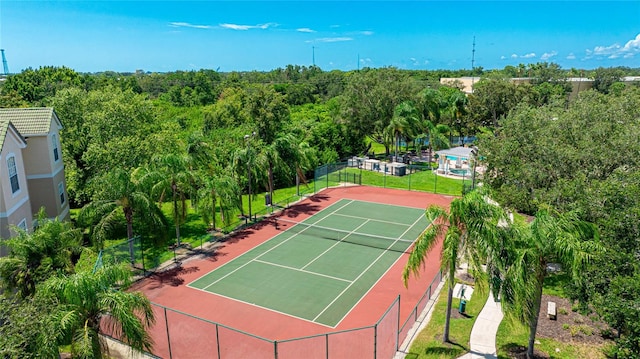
[(320, 268)]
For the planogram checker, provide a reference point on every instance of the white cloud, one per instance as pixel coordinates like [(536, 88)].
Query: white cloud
[(548, 55), (186, 24), (366, 33), (571, 56), (247, 27), (529, 55), (503, 57), (514, 56), (334, 39), (305, 29), (632, 45), (615, 51)]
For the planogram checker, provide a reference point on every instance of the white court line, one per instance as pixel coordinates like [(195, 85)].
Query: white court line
[(335, 244), (302, 270), (265, 308), (361, 274), (270, 249), (371, 219), (385, 272)]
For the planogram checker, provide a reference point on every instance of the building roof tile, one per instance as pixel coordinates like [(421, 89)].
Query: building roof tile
[(29, 121)]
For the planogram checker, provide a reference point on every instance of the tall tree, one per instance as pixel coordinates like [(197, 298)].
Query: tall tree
[(404, 123), (523, 258), (171, 174), (92, 302), (469, 231), (369, 99), (119, 194)]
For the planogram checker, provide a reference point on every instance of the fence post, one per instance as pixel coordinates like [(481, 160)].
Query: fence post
[(384, 176), (327, 344), (435, 181), (409, 177), (166, 323), (375, 341), (217, 341), (398, 331)]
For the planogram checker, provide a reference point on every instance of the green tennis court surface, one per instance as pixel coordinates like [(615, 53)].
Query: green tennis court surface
[(319, 269)]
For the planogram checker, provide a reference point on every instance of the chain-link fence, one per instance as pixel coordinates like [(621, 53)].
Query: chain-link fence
[(181, 335), (412, 177)]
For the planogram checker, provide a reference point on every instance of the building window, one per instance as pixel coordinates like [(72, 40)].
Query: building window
[(61, 192), (23, 224), (54, 143), (13, 174)]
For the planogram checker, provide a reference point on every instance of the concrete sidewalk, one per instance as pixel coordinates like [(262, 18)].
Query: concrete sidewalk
[(483, 335)]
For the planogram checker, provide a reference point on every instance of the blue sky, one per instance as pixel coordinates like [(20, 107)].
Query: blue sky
[(92, 36)]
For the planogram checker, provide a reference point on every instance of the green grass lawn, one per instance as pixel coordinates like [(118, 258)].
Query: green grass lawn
[(418, 180), (428, 344)]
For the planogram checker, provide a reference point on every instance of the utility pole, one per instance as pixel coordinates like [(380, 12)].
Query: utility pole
[(313, 55), (473, 61)]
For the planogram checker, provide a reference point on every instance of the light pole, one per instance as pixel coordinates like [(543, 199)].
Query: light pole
[(247, 139)]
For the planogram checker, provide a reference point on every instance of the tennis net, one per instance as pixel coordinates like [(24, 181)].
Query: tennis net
[(334, 234)]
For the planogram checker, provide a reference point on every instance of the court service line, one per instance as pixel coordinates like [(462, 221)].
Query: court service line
[(371, 219), (335, 244), (361, 274), (385, 272), (269, 250), (302, 270)]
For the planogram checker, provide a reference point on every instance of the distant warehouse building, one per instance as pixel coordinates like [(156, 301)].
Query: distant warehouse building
[(31, 168), (465, 84)]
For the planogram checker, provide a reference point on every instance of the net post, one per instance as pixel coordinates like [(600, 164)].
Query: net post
[(166, 324), (275, 349)]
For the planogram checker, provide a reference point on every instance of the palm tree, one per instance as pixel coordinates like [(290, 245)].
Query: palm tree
[(469, 230), (403, 123), (431, 105), (92, 302), (457, 104), (34, 257), (118, 192), (522, 262), (171, 173), (218, 188)]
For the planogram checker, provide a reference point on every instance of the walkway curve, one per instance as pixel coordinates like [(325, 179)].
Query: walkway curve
[(483, 334)]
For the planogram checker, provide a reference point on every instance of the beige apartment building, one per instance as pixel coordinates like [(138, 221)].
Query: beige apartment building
[(31, 168)]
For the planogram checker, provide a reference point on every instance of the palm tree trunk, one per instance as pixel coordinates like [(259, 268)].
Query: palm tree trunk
[(535, 312), (447, 320), (271, 179), (213, 205), (128, 215), (176, 215)]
